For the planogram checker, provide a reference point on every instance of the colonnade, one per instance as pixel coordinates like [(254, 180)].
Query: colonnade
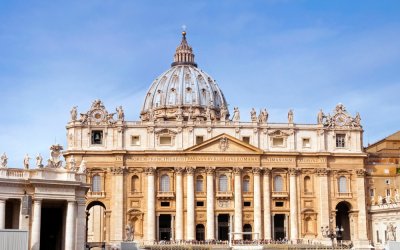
[(260, 215)]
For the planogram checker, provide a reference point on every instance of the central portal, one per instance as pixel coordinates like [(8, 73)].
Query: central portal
[(223, 227), (279, 227), (165, 227)]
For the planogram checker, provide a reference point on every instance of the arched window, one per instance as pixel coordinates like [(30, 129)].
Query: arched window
[(135, 186), (96, 183), (164, 185), (199, 183), (307, 184), (223, 183), (342, 184), (278, 183), (247, 228), (246, 184)]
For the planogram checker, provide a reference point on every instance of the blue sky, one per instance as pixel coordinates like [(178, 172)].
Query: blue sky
[(278, 54)]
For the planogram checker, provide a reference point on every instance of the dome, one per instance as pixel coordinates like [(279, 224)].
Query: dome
[(184, 92)]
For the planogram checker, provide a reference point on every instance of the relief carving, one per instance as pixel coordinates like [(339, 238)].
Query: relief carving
[(179, 170), (237, 170), (210, 170), (149, 170), (190, 170), (256, 170)]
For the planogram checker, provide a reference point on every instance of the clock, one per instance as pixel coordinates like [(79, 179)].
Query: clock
[(341, 120), (98, 116)]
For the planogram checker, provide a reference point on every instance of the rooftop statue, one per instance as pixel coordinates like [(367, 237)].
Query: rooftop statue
[(290, 116), (3, 160), (236, 114), (120, 112), (74, 113), (26, 161), (263, 117), (39, 161), (55, 161), (253, 115)]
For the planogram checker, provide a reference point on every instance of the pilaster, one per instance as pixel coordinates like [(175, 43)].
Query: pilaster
[(210, 234), (117, 205)]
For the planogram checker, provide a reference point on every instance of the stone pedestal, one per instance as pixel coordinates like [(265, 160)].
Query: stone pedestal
[(129, 246)]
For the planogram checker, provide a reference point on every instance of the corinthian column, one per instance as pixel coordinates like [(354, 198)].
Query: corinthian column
[(151, 211), (190, 220), (3, 214), (210, 204), (179, 205), (267, 204), (362, 218), (323, 200), (293, 204), (70, 226), (257, 203), (238, 203), (35, 232), (117, 205)]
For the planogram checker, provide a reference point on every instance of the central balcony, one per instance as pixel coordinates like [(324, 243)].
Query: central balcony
[(224, 195), (165, 194), (280, 194)]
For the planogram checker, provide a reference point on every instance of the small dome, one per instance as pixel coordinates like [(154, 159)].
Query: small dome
[(184, 92)]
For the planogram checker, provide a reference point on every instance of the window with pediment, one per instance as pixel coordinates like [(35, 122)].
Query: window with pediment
[(278, 183), (223, 183), (96, 183), (246, 183), (165, 183), (342, 184)]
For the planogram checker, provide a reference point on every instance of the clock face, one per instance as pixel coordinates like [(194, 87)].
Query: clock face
[(341, 120), (97, 116)]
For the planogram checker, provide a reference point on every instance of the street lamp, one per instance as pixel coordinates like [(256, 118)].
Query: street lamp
[(328, 232)]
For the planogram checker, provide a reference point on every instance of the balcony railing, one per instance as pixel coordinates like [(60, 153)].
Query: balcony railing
[(280, 194), (165, 194), (248, 194), (344, 194), (224, 194), (308, 193), (91, 194), (201, 194)]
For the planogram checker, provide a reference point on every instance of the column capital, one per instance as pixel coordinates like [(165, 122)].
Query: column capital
[(360, 172), (267, 171), (237, 170), (293, 171), (179, 170), (210, 170), (322, 171), (190, 170), (149, 170), (118, 170), (256, 170)]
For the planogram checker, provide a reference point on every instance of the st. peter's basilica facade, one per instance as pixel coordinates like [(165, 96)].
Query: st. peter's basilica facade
[(190, 171)]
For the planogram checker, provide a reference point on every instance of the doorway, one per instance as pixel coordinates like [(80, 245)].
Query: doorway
[(342, 220), (51, 226), (165, 227), (279, 227), (223, 227)]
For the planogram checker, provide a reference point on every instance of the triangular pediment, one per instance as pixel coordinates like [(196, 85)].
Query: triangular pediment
[(224, 143)]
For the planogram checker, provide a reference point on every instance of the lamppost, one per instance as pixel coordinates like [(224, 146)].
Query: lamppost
[(331, 233)]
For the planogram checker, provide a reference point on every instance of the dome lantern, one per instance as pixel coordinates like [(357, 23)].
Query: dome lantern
[(184, 53)]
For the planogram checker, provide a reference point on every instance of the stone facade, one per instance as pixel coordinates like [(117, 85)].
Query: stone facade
[(382, 184), (187, 172), (48, 202)]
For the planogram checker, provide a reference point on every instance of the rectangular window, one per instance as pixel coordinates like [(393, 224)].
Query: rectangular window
[(388, 192), (200, 203), (340, 140), (277, 142), (199, 139), (247, 204), (165, 204), (165, 140), (279, 204), (306, 143), (135, 140), (246, 139), (97, 137), (372, 192)]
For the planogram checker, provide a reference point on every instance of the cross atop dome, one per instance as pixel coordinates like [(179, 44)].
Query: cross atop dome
[(184, 53)]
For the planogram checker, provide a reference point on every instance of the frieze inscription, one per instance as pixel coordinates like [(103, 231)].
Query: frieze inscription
[(195, 158)]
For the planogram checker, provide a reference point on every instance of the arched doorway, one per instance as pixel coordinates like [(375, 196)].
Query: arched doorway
[(95, 222), (200, 231), (342, 220), (247, 229)]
